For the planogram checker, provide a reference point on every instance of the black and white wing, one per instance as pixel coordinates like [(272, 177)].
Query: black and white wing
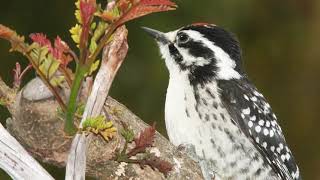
[(252, 113)]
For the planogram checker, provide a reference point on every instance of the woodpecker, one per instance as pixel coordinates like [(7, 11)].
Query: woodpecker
[(212, 105)]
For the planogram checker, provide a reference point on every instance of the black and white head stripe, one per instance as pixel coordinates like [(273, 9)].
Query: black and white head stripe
[(221, 38), (200, 46)]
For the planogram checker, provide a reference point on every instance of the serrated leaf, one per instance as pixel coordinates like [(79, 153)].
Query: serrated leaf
[(99, 125), (78, 16), (57, 80), (157, 3), (145, 7), (6, 33), (99, 31), (146, 137), (156, 163), (109, 16), (141, 10), (128, 135), (98, 122), (93, 46), (49, 66), (93, 67), (77, 4), (143, 141), (54, 66), (17, 42), (80, 109), (75, 33), (109, 133), (38, 53)]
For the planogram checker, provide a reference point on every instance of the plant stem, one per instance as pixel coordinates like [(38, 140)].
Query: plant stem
[(47, 82), (67, 75), (72, 104)]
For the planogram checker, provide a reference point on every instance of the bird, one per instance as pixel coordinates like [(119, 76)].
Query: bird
[(213, 106)]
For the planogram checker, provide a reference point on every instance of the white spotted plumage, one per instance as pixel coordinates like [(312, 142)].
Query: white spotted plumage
[(212, 105)]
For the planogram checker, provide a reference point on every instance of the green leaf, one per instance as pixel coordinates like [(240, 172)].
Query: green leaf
[(93, 46), (98, 123), (93, 26), (56, 80), (80, 109), (38, 54), (93, 67), (98, 32), (75, 33), (49, 66), (128, 135), (54, 65), (3, 102), (77, 12)]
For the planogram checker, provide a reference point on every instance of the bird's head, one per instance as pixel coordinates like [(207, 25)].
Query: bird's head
[(203, 51)]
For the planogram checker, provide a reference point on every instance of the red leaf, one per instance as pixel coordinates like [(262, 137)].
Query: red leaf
[(5, 32), (108, 16), (61, 45), (17, 42), (156, 163), (145, 7), (87, 9), (60, 51), (146, 137), (123, 5), (41, 39), (157, 3)]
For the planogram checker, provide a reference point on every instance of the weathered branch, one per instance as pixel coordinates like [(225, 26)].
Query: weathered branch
[(16, 161), (113, 57), (36, 125)]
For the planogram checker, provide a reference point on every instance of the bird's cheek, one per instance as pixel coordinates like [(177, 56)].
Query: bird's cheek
[(175, 54)]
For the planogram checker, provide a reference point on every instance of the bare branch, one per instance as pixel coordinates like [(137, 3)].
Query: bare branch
[(113, 57), (16, 161)]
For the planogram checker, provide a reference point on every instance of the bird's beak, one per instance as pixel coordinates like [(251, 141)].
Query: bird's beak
[(157, 35)]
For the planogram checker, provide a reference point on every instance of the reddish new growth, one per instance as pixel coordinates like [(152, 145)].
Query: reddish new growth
[(87, 9), (156, 163), (59, 51), (5, 32), (41, 39), (132, 9), (144, 140), (18, 74)]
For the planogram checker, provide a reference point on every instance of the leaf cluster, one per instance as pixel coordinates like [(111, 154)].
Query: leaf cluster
[(144, 140), (99, 126), (93, 31)]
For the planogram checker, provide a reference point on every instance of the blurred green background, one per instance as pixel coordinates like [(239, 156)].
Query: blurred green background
[(280, 42)]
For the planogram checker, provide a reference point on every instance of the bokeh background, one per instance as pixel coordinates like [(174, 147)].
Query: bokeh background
[(281, 50)]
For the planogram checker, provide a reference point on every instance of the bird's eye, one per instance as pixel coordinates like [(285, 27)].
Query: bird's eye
[(182, 38)]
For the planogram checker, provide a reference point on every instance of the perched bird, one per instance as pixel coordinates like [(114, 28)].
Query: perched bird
[(212, 105)]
